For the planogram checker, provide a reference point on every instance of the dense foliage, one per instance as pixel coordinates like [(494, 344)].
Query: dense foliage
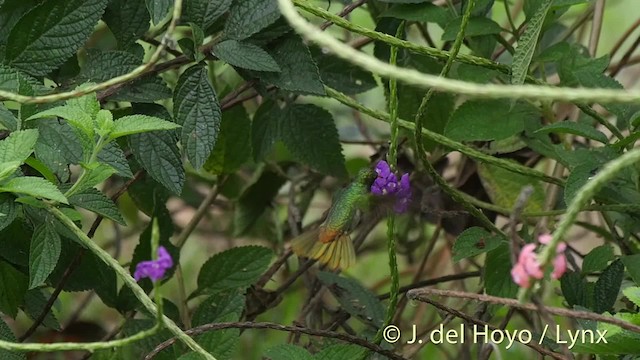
[(157, 158)]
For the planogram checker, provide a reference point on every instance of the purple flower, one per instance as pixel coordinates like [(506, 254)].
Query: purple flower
[(154, 269), (387, 184)]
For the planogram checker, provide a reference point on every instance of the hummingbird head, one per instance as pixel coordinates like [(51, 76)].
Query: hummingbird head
[(366, 176)]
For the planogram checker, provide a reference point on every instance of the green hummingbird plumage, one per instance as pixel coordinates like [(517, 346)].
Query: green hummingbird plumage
[(330, 243)]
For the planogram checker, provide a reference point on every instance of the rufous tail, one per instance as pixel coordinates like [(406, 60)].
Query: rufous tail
[(336, 254)]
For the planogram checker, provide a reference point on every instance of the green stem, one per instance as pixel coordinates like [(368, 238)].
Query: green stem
[(129, 282), (71, 346)]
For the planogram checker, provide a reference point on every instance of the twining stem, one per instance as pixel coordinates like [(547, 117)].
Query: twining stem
[(129, 282)]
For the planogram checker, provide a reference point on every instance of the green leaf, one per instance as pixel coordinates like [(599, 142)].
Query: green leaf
[(632, 263), (250, 16), (309, 132), (135, 124), (233, 147), (158, 154), (618, 341), (33, 186), (235, 268), (57, 147), (7, 119), (265, 129), (113, 156), (158, 9), (204, 12), (7, 335), (127, 20), (221, 307), (597, 259), (13, 286), (339, 352), (254, 201), (575, 128), (18, 145), (8, 168), (527, 44), (577, 179), (94, 200), (96, 173), (299, 73), (574, 289), (75, 116), (104, 122), (497, 273), (354, 298), (342, 75), (607, 287), (287, 352), (245, 55), (34, 304), (196, 108), (8, 210), (46, 36), (425, 12), (481, 120), (477, 26), (474, 241), (632, 293), (504, 187), (44, 253)]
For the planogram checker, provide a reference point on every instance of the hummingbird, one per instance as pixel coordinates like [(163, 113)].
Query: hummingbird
[(330, 243)]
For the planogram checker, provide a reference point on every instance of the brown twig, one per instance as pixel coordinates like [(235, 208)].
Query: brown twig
[(426, 293), (625, 58), (432, 282), (273, 326), (623, 38), (346, 11)]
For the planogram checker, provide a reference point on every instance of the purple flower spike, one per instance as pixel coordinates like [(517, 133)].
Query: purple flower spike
[(387, 184), (154, 269)]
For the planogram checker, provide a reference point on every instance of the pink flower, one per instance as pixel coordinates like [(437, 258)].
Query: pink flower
[(529, 267), (559, 266), (520, 276)]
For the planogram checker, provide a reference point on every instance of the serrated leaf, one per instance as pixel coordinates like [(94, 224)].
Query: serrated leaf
[(18, 145), (127, 20), (235, 268), (504, 187), (96, 173), (204, 12), (135, 124), (158, 9), (233, 147), (44, 253), (632, 293), (34, 304), (13, 286), (575, 128), (250, 16), (632, 263), (618, 341), (220, 307), (264, 129), (7, 119), (497, 273), (158, 154), (8, 210), (527, 44), (477, 26), (577, 179), (33, 186), (342, 75), (287, 352), (75, 116), (50, 33), (474, 241), (7, 335), (607, 287), (196, 108), (94, 200), (482, 120), (299, 73), (255, 200), (354, 298), (309, 132), (113, 156), (574, 289), (597, 259), (339, 352), (245, 55), (57, 147), (425, 12)]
